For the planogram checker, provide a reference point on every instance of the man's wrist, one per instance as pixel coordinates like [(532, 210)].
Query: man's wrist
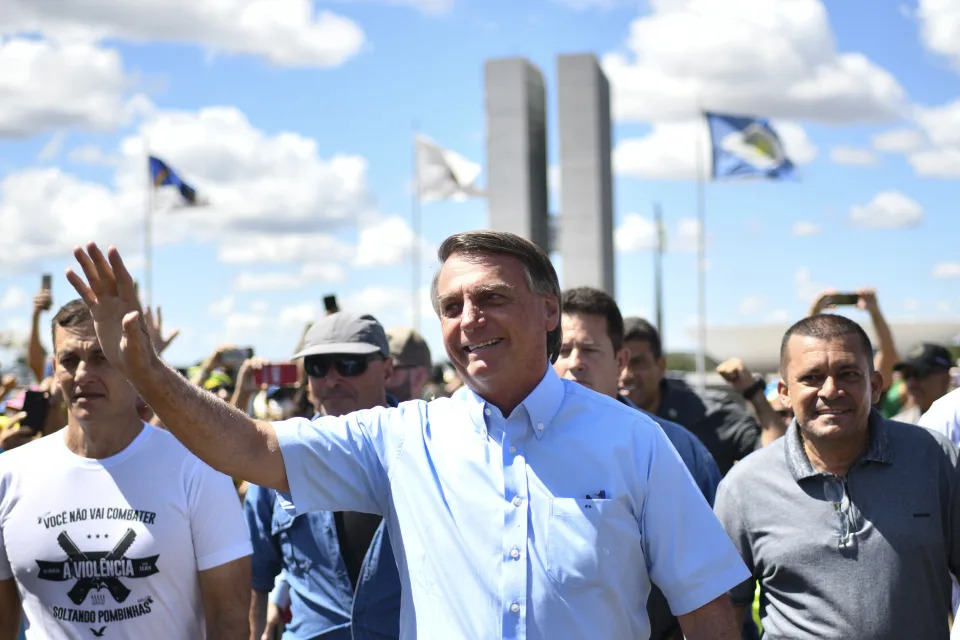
[(758, 385)]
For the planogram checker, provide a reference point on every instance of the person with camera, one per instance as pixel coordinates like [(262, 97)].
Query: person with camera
[(110, 527), (338, 566)]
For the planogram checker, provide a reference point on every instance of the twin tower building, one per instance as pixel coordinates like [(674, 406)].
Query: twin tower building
[(516, 110)]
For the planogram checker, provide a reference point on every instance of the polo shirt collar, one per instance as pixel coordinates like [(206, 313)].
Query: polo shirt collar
[(878, 447), (541, 405)]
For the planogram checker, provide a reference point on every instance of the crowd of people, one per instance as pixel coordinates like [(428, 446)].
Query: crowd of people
[(551, 479)]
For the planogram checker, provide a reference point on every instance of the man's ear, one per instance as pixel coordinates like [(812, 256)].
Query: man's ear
[(551, 312), (662, 365), (622, 357), (876, 386), (387, 368), (784, 392)]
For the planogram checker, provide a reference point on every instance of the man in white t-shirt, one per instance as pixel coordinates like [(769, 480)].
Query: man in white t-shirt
[(110, 527)]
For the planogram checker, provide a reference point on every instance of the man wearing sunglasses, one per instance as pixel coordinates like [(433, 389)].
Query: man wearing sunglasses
[(511, 514), (850, 522), (926, 373), (338, 565)]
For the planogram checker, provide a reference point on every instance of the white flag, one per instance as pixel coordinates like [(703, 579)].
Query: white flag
[(443, 174)]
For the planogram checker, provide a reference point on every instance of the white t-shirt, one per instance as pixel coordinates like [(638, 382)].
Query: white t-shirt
[(111, 548), (943, 416)]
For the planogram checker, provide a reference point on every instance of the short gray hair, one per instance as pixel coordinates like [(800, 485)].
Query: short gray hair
[(537, 269)]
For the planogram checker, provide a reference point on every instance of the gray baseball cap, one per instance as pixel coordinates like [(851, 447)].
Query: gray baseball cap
[(347, 333)]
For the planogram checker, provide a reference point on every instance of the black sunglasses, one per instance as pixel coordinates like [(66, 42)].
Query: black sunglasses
[(348, 366)]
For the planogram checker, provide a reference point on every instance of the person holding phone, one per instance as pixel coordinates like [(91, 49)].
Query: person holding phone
[(109, 527)]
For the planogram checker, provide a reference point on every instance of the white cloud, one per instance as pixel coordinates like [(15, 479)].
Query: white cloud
[(282, 248), (899, 141), (635, 233), (940, 123), (288, 33), (936, 163), (670, 151), (690, 55), (750, 306), (430, 7), (52, 149), (583, 5), (13, 298), (946, 270), (310, 274), (807, 288), (380, 302), (887, 210), (92, 155), (45, 85), (638, 233), (388, 242), (266, 190), (853, 155), (940, 27), (799, 148), (222, 307), (805, 228)]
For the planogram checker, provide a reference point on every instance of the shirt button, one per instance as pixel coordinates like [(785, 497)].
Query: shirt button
[(513, 449), (540, 426), (515, 607), (486, 412), (514, 553), (517, 501)]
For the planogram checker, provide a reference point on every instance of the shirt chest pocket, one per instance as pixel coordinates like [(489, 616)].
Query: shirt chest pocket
[(587, 538), (294, 551)]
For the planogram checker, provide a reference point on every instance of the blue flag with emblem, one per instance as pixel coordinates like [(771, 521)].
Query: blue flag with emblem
[(161, 174), (745, 146)]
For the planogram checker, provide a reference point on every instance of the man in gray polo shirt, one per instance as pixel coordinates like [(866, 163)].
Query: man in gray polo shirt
[(850, 522)]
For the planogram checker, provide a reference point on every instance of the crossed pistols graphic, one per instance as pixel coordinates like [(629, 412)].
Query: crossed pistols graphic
[(97, 569)]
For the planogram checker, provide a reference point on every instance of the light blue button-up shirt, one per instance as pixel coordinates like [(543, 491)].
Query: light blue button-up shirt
[(547, 523)]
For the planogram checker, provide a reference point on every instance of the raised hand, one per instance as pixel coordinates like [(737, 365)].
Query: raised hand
[(155, 328), (120, 325)]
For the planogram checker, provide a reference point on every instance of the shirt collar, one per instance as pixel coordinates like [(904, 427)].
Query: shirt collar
[(878, 447), (541, 404)]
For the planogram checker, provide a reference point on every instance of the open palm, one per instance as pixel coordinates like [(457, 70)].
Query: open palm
[(110, 294)]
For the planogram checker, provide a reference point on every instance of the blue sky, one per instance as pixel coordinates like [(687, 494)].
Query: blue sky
[(295, 119)]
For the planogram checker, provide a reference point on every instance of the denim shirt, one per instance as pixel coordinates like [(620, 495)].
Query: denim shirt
[(322, 599)]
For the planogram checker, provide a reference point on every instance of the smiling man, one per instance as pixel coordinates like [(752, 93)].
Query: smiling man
[(510, 515), (110, 527), (850, 522)]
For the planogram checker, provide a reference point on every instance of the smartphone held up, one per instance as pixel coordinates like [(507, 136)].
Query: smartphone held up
[(277, 374)]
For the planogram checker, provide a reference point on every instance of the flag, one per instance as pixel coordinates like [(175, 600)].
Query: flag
[(744, 146), (161, 174), (443, 174)]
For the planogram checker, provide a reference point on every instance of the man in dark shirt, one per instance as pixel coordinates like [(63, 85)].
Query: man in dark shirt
[(347, 361), (729, 432)]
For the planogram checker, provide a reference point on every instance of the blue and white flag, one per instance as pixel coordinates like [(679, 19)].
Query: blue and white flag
[(162, 175), (744, 146)]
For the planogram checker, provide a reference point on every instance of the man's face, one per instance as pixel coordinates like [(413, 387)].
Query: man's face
[(335, 394), (407, 382), (927, 386), (494, 327), (640, 379), (829, 386), (92, 389), (587, 354)]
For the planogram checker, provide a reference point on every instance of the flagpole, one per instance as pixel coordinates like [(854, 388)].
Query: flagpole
[(415, 253), (701, 272), (658, 270), (148, 230)]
